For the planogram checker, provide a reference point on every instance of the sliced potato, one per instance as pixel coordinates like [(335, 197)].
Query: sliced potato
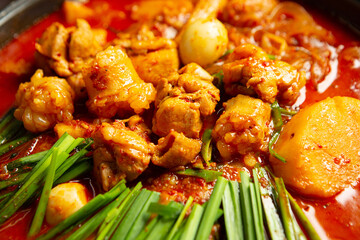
[(322, 148)]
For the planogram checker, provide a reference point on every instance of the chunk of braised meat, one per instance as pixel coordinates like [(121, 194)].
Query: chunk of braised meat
[(175, 150), (243, 127), (43, 102), (164, 18), (66, 50), (183, 99), (270, 79), (114, 87), (119, 153), (247, 13), (153, 57), (75, 128)]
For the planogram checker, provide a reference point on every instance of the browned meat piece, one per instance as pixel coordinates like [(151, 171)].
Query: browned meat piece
[(183, 99), (247, 50), (119, 153), (175, 150), (76, 128), (247, 13), (113, 86), (66, 50), (153, 57), (180, 114), (43, 102), (137, 124), (243, 128), (165, 18), (270, 79), (53, 46)]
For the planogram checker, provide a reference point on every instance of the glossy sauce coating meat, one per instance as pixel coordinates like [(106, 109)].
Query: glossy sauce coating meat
[(43, 102), (183, 99), (270, 79), (66, 50), (119, 153), (243, 127), (114, 87)]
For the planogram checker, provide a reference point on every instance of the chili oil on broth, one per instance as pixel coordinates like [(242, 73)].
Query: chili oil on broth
[(333, 218)]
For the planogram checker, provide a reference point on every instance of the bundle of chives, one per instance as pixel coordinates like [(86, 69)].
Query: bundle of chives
[(32, 181), (112, 220), (124, 227), (40, 211), (180, 219), (143, 217), (209, 216), (192, 223), (272, 218), (207, 175), (232, 211)]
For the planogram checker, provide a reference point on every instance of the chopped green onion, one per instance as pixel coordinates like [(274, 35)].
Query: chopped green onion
[(232, 211), (273, 139), (273, 220), (143, 217), (76, 171), (209, 216), (206, 148), (148, 228), (10, 131), (13, 181), (276, 116), (40, 211), (123, 229), (310, 230), (285, 210), (229, 51), (7, 147), (278, 123), (79, 216), (7, 118), (161, 229), (220, 76), (258, 226), (258, 196), (106, 231), (246, 208), (169, 211), (288, 111), (271, 57), (180, 219), (192, 223), (207, 175), (28, 160)]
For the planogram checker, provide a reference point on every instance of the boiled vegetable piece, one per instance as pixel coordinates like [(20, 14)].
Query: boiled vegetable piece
[(321, 147)]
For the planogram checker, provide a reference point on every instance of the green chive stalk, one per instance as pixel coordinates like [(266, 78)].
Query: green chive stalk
[(41, 208), (208, 219), (206, 148), (180, 219)]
